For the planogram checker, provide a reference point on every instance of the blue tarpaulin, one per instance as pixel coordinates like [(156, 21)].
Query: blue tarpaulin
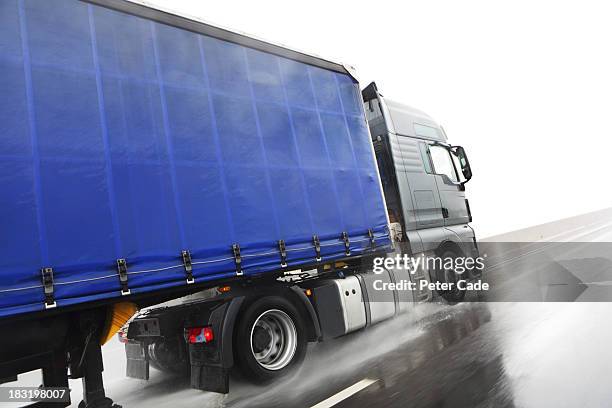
[(126, 138)]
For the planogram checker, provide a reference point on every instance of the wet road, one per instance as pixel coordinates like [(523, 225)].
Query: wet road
[(502, 354), (472, 354)]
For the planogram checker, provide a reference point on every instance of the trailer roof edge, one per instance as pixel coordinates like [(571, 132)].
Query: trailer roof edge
[(197, 25)]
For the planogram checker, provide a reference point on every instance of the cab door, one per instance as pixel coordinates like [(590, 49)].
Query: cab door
[(420, 188), (452, 193)]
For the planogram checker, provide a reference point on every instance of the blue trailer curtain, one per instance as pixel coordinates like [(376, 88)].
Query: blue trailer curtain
[(126, 138)]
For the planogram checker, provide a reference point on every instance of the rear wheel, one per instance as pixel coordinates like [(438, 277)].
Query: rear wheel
[(270, 339)]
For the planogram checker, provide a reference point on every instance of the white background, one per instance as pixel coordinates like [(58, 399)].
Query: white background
[(524, 86)]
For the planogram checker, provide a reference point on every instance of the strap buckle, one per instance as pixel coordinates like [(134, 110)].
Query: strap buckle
[(347, 243), (317, 247), (186, 255), (237, 259), (283, 253), (47, 281), (372, 239), (123, 277)]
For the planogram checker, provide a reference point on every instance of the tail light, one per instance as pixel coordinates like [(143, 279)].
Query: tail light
[(122, 335), (200, 335)]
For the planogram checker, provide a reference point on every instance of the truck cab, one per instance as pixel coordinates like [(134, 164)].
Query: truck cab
[(423, 178)]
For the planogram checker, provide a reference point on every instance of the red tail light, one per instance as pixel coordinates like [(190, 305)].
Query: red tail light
[(200, 334), (122, 335)]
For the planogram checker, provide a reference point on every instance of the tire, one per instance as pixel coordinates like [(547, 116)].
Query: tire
[(167, 356), (453, 295), (270, 340)]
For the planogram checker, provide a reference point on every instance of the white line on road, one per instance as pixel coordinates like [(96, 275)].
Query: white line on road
[(345, 393)]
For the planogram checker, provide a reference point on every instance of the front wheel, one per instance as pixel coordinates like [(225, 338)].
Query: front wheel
[(448, 275), (270, 340)]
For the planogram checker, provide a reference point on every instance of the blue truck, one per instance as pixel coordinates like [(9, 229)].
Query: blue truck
[(147, 157)]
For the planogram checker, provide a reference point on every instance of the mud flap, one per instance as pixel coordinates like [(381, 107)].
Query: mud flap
[(207, 378), (137, 360), (208, 371), (211, 362)]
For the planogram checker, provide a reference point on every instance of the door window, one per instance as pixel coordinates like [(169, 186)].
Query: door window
[(442, 162)]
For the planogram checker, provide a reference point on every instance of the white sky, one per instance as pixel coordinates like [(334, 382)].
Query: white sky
[(524, 86)]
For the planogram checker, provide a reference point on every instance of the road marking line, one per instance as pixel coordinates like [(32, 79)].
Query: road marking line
[(345, 393)]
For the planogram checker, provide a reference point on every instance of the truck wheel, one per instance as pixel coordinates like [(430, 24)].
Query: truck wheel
[(270, 339), (448, 275), (168, 357)]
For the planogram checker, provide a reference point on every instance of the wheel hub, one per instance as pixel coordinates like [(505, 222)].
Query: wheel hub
[(261, 339), (273, 339)]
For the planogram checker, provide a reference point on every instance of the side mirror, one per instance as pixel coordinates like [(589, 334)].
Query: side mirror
[(463, 161)]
